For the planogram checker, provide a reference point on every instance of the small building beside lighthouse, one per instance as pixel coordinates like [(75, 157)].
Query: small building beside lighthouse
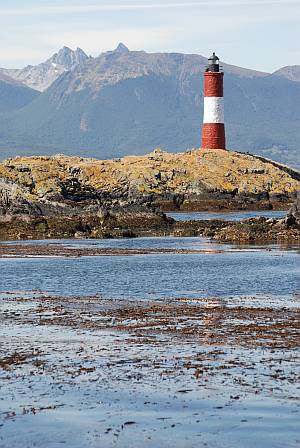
[(213, 130)]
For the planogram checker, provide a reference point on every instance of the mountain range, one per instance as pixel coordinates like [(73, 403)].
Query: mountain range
[(41, 76), (129, 102)]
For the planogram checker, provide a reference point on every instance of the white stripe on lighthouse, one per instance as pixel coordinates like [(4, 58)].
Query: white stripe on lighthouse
[(213, 109)]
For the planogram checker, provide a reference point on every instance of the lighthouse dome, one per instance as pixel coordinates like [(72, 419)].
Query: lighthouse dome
[(213, 63), (213, 57)]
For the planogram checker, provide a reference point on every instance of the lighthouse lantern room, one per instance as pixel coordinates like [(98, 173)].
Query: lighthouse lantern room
[(213, 64), (213, 130)]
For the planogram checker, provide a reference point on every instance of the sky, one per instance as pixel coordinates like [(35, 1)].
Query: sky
[(258, 34)]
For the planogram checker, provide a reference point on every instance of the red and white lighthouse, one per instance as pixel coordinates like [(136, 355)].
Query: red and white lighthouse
[(213, 131)]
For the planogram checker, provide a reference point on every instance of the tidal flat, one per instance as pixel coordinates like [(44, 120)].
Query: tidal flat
[(149, 342)]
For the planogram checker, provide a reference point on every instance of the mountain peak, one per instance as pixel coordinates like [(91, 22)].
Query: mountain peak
[(68, 58), (121, 48), (291, 72), (65, 49)]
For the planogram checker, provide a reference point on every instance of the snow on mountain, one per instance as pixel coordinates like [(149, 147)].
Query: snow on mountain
[(41, 76)]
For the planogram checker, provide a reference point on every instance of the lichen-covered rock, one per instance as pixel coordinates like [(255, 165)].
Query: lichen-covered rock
[(59, 196), (196, 179)]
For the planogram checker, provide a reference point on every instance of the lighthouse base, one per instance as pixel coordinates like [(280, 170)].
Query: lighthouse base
[(213, 136)]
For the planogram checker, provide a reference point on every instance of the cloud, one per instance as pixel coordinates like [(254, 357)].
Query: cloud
[(244, 31), (96, 41), (20, 53), (91, 8)]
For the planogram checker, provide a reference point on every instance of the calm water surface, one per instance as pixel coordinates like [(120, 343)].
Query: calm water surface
[(249, 270)]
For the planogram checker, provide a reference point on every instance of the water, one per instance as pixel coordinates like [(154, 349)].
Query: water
[(227, 216), (86, 387), (234, 271)]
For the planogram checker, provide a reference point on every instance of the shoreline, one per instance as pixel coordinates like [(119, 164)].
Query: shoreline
[(56, 250), (251, 230)]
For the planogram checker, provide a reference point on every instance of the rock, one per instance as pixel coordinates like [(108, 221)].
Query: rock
[(159, 174), (295, 209), (79, 235), (290, 220), (76, 196)]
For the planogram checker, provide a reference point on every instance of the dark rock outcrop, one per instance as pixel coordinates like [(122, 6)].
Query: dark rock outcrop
[(262, 229), (294, 211)]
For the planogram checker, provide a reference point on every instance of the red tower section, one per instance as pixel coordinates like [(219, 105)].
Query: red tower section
[(213, 130)]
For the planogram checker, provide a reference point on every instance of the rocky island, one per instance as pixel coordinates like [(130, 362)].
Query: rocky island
[(64, 197)]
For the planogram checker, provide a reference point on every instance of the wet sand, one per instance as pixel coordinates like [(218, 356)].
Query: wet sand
[(99, 372)]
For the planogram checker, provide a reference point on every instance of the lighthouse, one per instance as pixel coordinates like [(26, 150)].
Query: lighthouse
[(213, 130)]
